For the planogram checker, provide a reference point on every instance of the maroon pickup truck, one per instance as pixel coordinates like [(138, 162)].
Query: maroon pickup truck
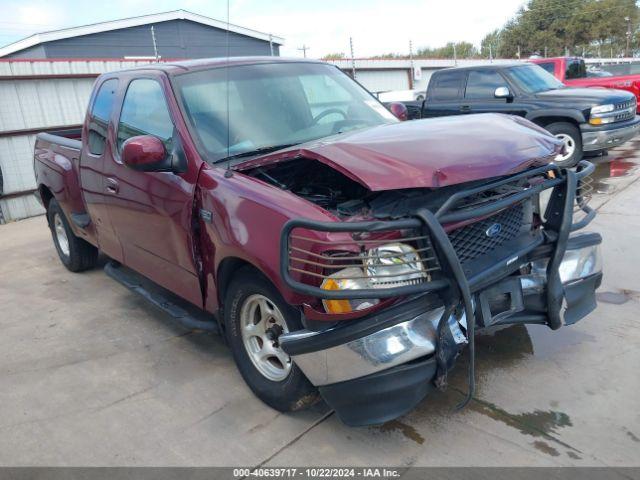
[(342, 253)]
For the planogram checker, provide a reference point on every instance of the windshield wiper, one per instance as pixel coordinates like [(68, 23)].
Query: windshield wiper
[(257, 151)]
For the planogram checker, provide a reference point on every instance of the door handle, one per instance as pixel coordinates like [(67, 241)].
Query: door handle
[(465, 108), (112, 185)]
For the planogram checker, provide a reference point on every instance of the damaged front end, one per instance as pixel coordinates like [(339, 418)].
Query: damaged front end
[(418, 277)]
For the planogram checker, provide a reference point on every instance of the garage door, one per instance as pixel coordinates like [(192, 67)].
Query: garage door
[(383, 80)]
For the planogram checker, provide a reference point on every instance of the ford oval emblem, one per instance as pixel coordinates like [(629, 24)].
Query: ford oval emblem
[(493, 230)]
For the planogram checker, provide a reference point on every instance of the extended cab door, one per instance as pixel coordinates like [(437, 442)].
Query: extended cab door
[(94, 151), (480, 93), (444, 95), (152, 212)]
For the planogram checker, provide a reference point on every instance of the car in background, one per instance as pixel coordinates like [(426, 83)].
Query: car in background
[(400, 95), (585, 119), (573, 72)]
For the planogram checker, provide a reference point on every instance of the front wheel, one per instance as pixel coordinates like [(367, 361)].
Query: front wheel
[(572, 140), (75, 253), (255, 315)]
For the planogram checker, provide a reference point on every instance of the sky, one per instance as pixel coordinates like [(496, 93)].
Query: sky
[(324, 26)]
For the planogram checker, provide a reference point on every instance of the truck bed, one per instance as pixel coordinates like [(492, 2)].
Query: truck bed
[(67, 138)]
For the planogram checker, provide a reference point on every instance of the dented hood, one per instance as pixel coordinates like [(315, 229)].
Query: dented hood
[(431, 152)]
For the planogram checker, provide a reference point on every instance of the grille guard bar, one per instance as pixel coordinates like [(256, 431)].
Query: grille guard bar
[(566, 190), (559, 220)]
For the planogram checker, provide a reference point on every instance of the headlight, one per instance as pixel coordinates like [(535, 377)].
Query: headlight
[(352, 278), (601, 114), (394, 265), (602, 109), (387, 266)]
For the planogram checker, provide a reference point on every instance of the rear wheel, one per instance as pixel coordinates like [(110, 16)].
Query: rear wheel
[(255, 315), (572, 140), (75, 253)]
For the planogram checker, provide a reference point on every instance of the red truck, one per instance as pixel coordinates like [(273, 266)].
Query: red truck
[(573, 72), (342, 253)]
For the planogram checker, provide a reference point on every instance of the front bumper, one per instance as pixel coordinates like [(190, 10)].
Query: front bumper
[(378, 368), (609, 136), (562, 274)]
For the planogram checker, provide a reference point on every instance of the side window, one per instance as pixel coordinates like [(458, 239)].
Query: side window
[(483, 83), (99, 117), (548, 66), (575, 69), (145, 112), (447, 86)]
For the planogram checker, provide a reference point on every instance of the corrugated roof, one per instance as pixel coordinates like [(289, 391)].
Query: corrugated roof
[(53, 35)]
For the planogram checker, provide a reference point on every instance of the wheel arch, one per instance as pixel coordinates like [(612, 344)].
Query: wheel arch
[(225, 272), (546, 120)]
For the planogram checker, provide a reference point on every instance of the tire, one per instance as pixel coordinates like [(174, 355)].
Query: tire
[(285, 389), (568, 133), (75, 253)]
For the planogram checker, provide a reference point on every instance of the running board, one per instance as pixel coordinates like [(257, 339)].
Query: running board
[(188, 315)]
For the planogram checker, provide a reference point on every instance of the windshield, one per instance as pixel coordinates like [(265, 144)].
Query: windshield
[(252, 108), (533, 79)]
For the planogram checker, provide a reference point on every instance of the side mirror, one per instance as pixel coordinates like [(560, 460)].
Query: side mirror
[(399, 110), (145, 153), (502, 92)]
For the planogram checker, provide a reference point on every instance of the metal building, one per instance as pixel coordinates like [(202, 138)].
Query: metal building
[(178, 34)]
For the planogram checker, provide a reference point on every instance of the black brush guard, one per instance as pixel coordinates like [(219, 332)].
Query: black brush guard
[(569, 190)]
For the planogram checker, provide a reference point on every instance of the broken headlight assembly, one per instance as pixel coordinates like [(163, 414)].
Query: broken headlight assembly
[(389, 265)]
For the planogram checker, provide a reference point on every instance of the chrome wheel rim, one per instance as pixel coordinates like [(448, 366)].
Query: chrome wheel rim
[(260, 323), (61, 235), (569, 147)]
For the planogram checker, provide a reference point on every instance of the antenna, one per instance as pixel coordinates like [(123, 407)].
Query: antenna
[(228, 172), (155, 46), (353, 60)]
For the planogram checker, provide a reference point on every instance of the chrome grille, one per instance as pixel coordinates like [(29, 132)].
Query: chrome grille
[(624, 111)]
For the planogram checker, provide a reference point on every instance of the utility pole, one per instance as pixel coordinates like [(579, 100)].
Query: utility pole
[(271, 44), (304, 49), (545, 51), (155, 46), (353, 59), (455, 55), (518, 52), (490, 54), (628, 20)]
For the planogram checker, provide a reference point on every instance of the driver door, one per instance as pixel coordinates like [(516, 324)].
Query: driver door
[(151, 212)]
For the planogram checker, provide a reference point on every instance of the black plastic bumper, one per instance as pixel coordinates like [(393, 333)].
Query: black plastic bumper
[(382, 396)]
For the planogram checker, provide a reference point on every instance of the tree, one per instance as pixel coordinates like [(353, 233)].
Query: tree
[(334, 56), (490, 44), (568, 26), (461, 50)]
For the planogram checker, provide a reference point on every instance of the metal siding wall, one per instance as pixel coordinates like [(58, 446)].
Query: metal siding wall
[(39, 104), (383, 80), (175, 39), (17, 172)]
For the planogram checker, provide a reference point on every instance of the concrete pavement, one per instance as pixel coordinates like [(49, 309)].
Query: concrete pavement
[(92, 375)]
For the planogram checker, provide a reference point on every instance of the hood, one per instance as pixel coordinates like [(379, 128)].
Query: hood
[(586, 96), (429, 153)]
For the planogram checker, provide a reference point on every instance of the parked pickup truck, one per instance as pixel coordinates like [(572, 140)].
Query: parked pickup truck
[(573, 72), (342, 253), (585, 119)]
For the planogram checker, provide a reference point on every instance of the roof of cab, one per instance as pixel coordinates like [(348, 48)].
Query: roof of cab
[(172, 68)]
